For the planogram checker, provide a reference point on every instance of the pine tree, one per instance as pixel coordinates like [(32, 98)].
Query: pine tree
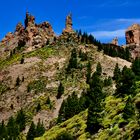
[(61, 116), (95, 87), (107, 81), (21, 120), (127, 54), (136, 67), (117, 73), (72, 61), (126, 84), (22, 60), (12, 129), (136, 134), (40, 130), (99, 69), (64, 136), (3, 132), (95, 97), (60, 91), (18, 81), (38, 107), (48, 100), (93, 119), (32, 132), (88, 75), (128, 111)]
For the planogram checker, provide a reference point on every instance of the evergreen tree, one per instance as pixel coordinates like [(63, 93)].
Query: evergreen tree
[(69, 108), (95, 96), (32, 132), (48, 100), (117, 73), (126, 84), (61, 116), (38, 107), (3, 132), (95, 87), (60, 91), (18, 81), (127, 54), (64, 136), (93, 119), (88, 75), (72, 61), (107, 81), (21, 120), (136, 134), (72, 107), (82, 102), (128, 111), (91, 39), (99, 69), (40, 130), (12, 129), (22, 60), (136, 67)]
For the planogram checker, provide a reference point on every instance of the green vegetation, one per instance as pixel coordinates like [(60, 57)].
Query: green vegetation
[(75, 126), (37, 86), (60, 91), (35, 131), (14, 126), (15, 57), (3, 88), (42, 53)]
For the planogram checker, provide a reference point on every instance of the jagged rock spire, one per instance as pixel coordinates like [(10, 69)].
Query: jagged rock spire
[(68, 24)]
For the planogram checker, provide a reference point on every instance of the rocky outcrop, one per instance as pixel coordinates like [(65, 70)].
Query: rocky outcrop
[(68, 34), (115, 41), (68, 24), (31, 35), (132, 34), (7, 38)]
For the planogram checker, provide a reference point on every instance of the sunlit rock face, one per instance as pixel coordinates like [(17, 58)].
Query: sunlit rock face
[(68, 24), (115, 41), (30, 34), (132, 34)]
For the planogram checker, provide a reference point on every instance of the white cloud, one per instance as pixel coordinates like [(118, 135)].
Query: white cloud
[(109, 34), (130, 20)]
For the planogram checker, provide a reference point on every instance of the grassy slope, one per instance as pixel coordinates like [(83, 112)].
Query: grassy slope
[(111, 120), (76, 126)]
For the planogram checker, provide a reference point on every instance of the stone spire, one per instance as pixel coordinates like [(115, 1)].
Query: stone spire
[(68, 24), (29, 20), (115, 41)]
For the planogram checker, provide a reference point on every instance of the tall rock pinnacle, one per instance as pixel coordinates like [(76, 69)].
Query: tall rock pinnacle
[(68, 24)]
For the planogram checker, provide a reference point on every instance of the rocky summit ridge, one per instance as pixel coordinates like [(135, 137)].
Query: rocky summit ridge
[(34, 35)]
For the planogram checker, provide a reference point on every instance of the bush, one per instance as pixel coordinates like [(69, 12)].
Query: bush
[(64, 136), (37, 86)]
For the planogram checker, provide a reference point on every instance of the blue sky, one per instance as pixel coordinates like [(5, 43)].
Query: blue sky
[(105, 19)]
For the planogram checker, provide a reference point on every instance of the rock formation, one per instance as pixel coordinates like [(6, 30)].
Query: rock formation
[(31, 35), (68, 33), (115, 41), (132, 34), (68, 24)]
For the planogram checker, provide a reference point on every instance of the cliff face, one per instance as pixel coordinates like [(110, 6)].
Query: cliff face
[(132, 35), (32, 35)]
